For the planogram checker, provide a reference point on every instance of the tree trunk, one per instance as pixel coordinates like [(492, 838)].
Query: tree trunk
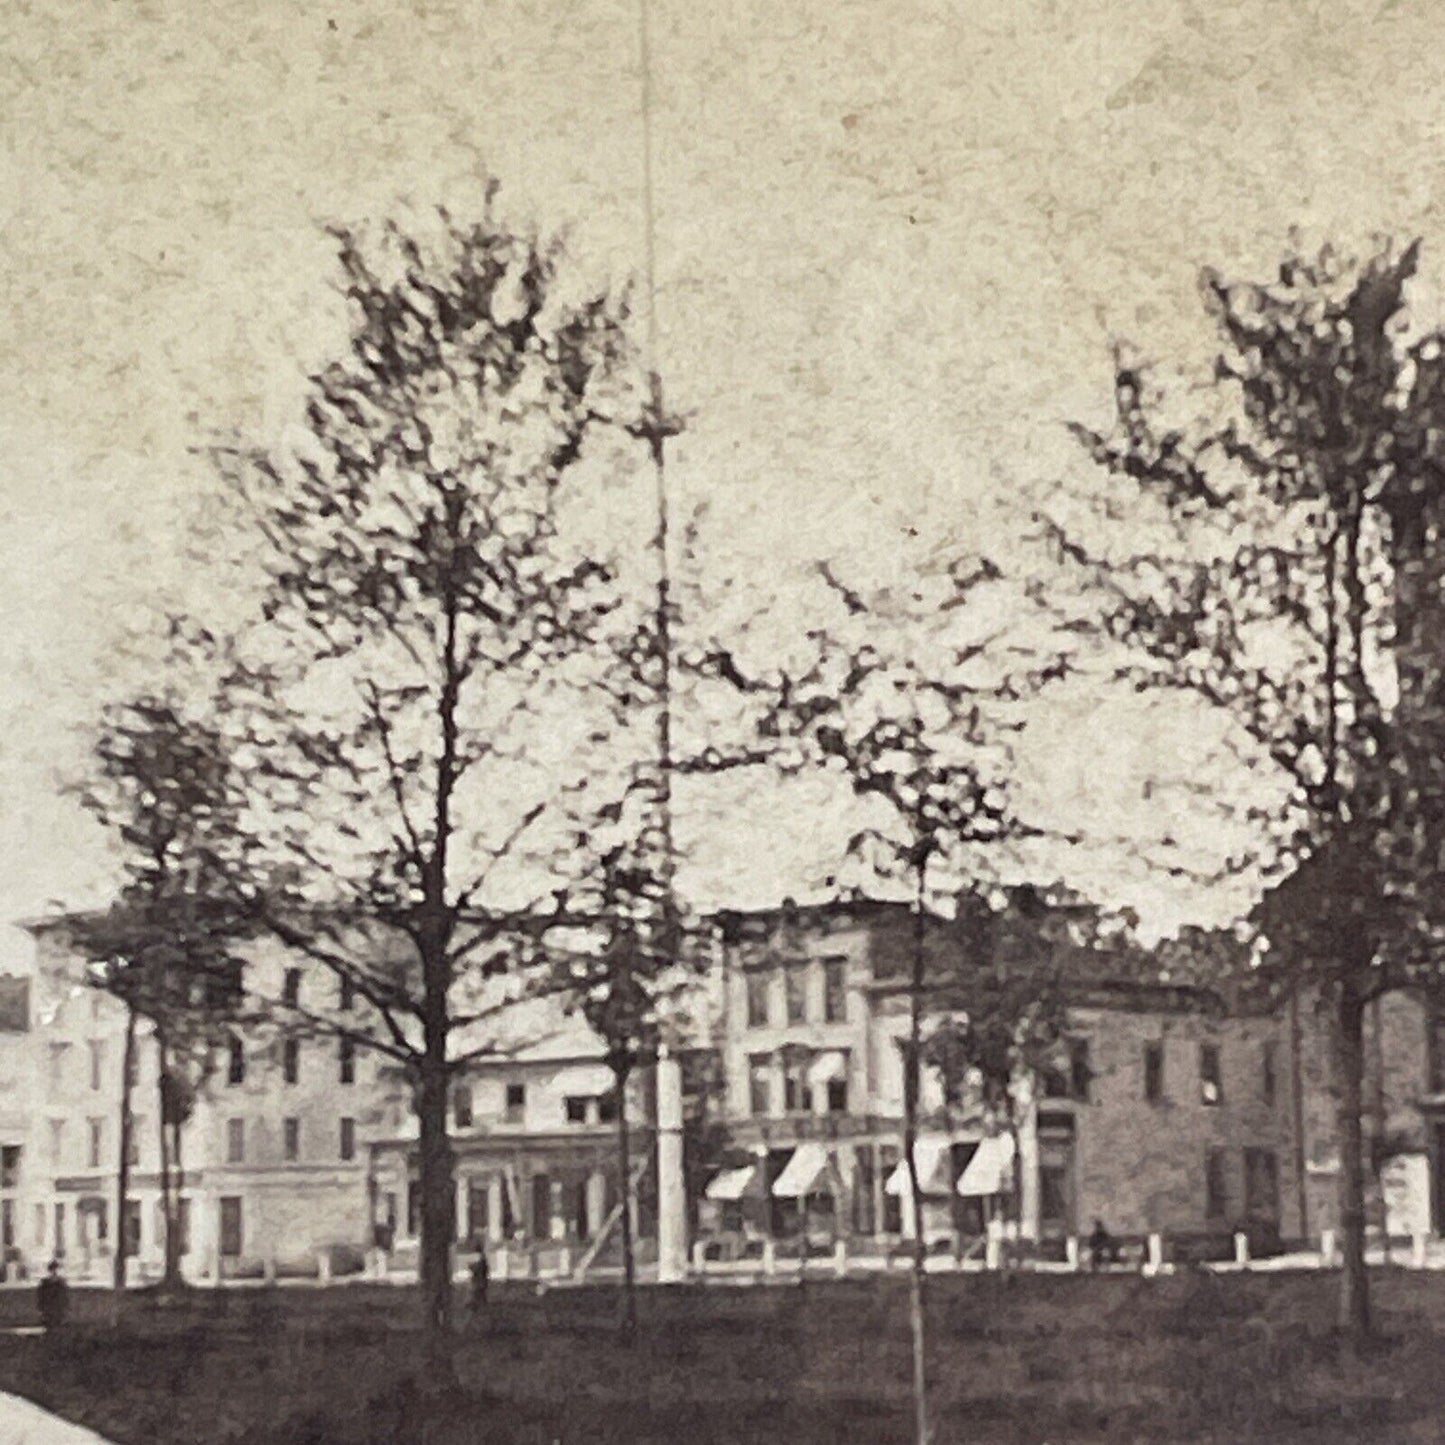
[(912, 1084), (1350, 1062), (127, 1067), (170, 1276), (436, 1200), (627, 1322)]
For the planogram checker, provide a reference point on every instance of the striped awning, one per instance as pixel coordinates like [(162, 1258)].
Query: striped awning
[(730, 1184), (802, 1173), (990, 1171), (934, 1159)]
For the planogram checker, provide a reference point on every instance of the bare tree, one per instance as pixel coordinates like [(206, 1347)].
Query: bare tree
[(164, 786), (914, 700), (412, 702), (1288, 581)]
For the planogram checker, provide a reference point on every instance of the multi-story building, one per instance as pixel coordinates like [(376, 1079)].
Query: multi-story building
[(1169, 1112)]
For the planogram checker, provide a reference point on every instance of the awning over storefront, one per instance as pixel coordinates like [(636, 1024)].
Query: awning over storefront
[(933, 1157), (827, 1069), (803, 1172), (731, 1184), (990, 1171)]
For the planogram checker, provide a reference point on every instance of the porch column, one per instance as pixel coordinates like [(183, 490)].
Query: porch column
[(495, 1208), (1029, 1223), (878, 1183), (464, 1208), (596, 1201)]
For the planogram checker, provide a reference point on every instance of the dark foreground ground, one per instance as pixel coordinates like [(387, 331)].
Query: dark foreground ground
[(1029, 1359)]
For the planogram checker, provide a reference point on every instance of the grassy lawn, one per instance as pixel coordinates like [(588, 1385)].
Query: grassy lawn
[(1029, 1359)]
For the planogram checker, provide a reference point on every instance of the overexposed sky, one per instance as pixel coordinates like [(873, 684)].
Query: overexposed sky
[(894, 242)]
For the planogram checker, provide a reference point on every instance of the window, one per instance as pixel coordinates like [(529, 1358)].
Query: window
[(291, 1060), (1268, 1072), (1154, 1072), (838, 1096), (10, 1166), (576, 1106), (348, 1139), (183, 1226), (462, 1106), (797, 1090), (7, 1223), (97, 1062), (57, 1140), (1211, 1089), (1261, 1184), (347, 1059), (291, 1130), (291, 989), (1436, 1051), (757, 984), (235, 1141), (60, 1227), (835, 990), (516, 1103), (795, 979), (130, 1232), (97, 1142), (231, 1231), (1216, 1184), (132, 1144), (236, 1065), (1054, 1195), (1080, 1074), (760, 1086), (541, 1207), (347, 1000), (607, 1107)]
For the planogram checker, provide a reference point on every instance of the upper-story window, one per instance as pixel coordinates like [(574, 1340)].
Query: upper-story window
[(1436, 1051), (516, 1103), (291, 1129), (348, 1139), (578, 1107), (462, 1106), (1211, 1081), (1081, 1074), (57, 1140), (1154, 1071), (760, 1085), (97, 1142), (795, 979), (346, 1058), (97, 1062), (797, 1088), (757, 985), (235, 1141), (835, 990), (291, 988), (1268, 1071), (236, 1064), (10, 1166), (291, 1060)]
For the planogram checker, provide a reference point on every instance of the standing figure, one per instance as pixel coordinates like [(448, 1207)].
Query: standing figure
[(481, 1278), (53, 1298)]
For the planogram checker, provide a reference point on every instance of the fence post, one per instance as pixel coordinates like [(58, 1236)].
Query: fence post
[(1418, 1253), (503, 1267), (323, 1267), (1241, 1248), (1071, 1251), (1156, 1253), (769, 1259), (840, 1258), (1327, 1247)]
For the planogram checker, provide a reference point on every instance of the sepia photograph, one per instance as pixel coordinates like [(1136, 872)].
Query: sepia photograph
[(720, 722)]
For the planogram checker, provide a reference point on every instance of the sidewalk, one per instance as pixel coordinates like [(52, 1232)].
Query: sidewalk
[(24, 1423)]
